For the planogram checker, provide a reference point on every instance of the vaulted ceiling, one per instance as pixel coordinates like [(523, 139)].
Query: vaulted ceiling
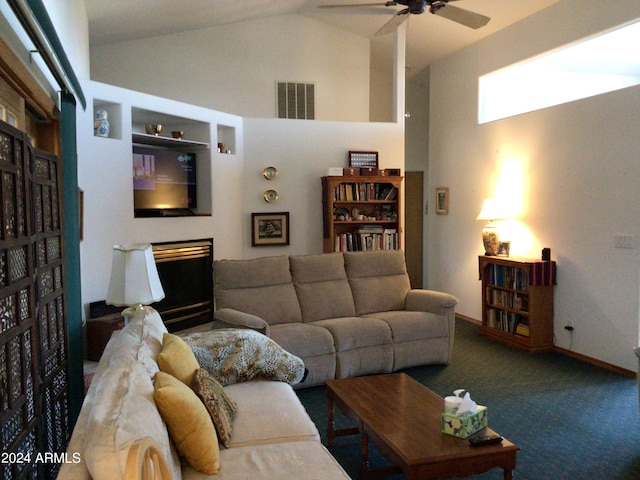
[(429, 37)]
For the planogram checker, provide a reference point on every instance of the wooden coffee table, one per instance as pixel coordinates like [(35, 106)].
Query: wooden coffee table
[(402, 418)]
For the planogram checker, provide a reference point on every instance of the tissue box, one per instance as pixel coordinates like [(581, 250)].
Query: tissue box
[(465, 425)]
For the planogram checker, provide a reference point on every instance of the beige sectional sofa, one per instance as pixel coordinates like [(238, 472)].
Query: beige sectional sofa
[(345, 314), (120, 429)]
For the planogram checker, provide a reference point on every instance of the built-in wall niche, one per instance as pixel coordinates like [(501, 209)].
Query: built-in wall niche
[(194, 132), (226, 139), (107, 119), (155, 181)]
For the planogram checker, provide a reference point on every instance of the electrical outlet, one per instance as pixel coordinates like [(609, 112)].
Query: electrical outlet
[(624, 240)]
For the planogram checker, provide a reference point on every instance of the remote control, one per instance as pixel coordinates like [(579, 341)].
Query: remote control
[(485, 440)]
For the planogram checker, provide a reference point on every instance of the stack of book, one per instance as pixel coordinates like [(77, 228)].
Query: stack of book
[(359, 192), (368, 237)]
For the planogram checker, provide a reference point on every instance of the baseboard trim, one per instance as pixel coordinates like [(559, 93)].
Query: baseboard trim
[(598, 363), (578, 356), (468, 319)]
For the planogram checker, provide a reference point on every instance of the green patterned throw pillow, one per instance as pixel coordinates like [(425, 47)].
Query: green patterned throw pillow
[(220, 406)]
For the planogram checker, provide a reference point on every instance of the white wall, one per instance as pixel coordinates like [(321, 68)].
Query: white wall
[(234, 68), (105, 176), (302, 152), (70, 20), (241, 75), (579, 185), (417, 146)]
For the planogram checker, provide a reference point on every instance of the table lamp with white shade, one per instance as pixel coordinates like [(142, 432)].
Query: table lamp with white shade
[(491, 211), (134, 279)]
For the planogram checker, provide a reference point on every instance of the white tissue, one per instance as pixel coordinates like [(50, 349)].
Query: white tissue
[(451, 402), (466, 406)]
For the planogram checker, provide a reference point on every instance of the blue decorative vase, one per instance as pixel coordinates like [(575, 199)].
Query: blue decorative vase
[(101, 126)]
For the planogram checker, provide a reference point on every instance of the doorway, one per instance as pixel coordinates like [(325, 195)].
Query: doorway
[(413, 226)]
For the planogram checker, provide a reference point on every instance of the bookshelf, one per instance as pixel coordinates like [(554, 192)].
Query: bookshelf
[(361, 213), (517, 302)]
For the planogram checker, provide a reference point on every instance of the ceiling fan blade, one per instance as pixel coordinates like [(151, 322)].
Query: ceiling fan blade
[(351, 5), (393, 24), (462, 16)]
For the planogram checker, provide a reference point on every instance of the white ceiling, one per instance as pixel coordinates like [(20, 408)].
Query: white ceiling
[(429, 37)]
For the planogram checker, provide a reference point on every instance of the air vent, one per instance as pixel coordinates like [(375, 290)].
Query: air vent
[(296, 100)]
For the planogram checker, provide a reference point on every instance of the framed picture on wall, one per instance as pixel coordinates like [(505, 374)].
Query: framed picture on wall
[(269, 229), (442, 200)]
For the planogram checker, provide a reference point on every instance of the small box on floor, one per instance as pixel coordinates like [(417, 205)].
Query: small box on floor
[(465, 425)]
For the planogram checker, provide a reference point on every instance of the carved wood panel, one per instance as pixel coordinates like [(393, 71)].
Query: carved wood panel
[(34, 404)]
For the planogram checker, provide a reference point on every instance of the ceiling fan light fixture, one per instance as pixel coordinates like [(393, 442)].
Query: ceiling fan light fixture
[(416, 7)]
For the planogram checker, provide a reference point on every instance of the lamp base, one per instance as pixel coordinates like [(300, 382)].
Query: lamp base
[(490, 240), (129, 312)]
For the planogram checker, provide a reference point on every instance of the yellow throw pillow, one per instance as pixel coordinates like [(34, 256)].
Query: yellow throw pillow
[(188, 422), (177, 359)]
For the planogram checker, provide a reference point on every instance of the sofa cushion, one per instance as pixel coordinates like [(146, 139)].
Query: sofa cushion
[(221, 407), (260, 286), (314, 344), (269, 412), (379, 280), (410, 326), (303, 340), (363, 345), (235, 355), (322, 286), (121, 400), (309, 460), (356, 332), (419, 338), (177, 359), (189, 423)]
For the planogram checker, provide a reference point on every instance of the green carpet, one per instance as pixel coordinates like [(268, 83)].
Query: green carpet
[(571, 420)]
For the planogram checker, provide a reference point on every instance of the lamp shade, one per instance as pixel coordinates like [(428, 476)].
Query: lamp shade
[(134, 276), (492, 210)]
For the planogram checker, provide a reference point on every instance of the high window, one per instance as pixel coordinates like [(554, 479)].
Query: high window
[(600, 64)]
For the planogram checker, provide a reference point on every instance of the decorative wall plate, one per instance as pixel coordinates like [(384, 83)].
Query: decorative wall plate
[(270, 173), (270, 196)]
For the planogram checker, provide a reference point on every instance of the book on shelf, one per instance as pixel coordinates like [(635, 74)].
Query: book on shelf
[(508, 322), (508, 277), (507, 299), (364, 191), (366, 239), (522, 329)]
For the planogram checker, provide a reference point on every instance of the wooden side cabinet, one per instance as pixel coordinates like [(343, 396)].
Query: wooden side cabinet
[(99, 331), (517, 302), (361, 213)]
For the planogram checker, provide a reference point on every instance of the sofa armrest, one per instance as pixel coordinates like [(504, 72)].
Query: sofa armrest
[(430, 301), (439, 303), (145, 461), (238, 319)]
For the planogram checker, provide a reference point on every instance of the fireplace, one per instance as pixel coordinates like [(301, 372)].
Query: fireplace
[(185, 269), (186, 272)]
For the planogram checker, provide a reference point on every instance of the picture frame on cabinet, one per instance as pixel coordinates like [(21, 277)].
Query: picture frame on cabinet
[(503, 249), (269, 229), (363, 159), (442, 201)]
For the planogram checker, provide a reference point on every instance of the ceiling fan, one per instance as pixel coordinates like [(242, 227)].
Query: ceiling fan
[(416, 7)]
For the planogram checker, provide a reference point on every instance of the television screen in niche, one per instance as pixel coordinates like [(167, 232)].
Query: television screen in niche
[(164, 182)]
